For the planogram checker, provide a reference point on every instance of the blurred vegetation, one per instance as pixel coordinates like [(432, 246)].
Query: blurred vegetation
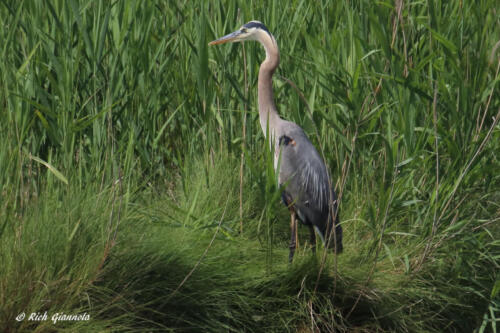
[(135, 184)]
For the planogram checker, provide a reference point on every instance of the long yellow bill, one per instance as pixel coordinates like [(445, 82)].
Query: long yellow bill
[(233, 36)]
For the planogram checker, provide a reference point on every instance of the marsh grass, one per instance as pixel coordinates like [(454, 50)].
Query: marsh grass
[(126, 142)]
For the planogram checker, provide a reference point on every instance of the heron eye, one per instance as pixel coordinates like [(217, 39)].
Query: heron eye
[(286, 140), (243, 30)]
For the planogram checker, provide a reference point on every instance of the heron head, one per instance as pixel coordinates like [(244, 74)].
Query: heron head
[(248, 31)]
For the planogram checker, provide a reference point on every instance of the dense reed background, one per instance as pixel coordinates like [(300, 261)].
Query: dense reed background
[(136, 186)]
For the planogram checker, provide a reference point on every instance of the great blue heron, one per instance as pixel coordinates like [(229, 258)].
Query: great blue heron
[(307, 193)]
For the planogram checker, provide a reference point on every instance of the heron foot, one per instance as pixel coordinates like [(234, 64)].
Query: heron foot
[(290, 256)]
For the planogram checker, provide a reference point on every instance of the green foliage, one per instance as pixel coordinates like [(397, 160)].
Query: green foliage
[(121, 139)]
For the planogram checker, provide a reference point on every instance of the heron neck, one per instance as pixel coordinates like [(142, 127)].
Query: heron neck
[(267, 108)]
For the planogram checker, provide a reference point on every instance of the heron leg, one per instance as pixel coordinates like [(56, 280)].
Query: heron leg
[(293, 241), (313, 238)]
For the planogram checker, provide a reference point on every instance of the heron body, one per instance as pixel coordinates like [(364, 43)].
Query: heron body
[(302, 172)]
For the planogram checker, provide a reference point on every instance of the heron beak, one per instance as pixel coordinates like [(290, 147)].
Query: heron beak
[(232, 37)]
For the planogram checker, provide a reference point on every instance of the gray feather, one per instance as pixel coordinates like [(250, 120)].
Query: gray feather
[(304, 175)]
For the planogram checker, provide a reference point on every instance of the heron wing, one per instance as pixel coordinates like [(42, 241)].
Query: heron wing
[(302, 170), (305, 177)]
